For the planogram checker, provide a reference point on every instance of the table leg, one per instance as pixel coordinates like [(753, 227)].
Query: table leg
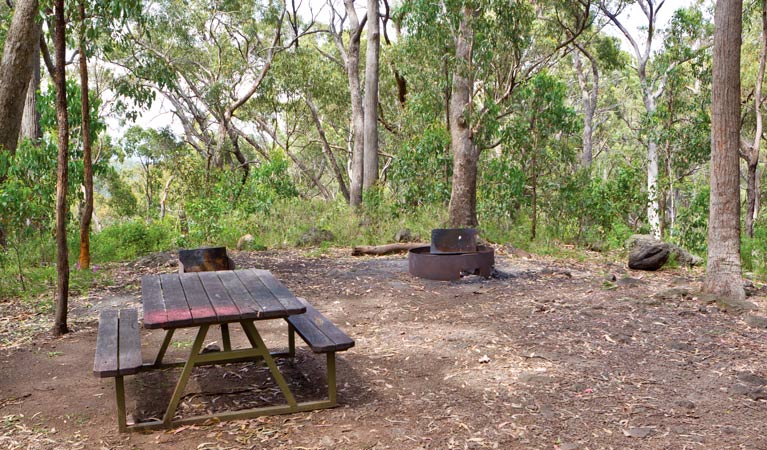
[(258, 344), (194, 353), (164, 346), (226, 341)]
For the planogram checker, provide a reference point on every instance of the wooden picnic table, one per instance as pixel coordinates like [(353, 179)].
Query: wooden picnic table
[(202, 299)]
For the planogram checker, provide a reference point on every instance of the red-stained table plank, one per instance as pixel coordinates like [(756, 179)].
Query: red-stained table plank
[(175, 302), (199, 304), (151, 298), (182, 300), (219, 297)]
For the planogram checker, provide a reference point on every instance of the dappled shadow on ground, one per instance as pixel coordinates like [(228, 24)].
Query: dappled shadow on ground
[(550, 355)]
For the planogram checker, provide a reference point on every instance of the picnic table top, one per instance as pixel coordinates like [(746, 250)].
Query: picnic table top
[(187, 299)]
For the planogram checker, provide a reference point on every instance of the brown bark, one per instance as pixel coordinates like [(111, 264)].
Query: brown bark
[(87, 212), (16, 68), (462, 210), (370, 151), (752, 155), (723, 271), (388, 249), (62, 260), (30, 121)]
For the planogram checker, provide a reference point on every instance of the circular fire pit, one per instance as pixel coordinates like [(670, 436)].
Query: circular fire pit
[(446, 267)]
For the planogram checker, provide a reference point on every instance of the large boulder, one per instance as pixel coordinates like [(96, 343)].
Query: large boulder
[(647, 253), (314, 237)]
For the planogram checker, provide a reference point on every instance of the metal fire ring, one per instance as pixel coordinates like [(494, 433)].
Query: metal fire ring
[(448, 267)]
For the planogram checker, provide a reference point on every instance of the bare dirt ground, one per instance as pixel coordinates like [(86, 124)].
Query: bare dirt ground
[(548, 356)]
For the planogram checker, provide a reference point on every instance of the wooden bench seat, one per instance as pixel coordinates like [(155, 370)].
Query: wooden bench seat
[(322, 336), (118, 352), (118, 346), (319, 333)]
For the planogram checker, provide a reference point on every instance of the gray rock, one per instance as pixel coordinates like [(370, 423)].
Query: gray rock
[(735, 306), (758, 394), (405, 235), (245, 242), (315, 236), (683, 257), (628, 281), (672, 293), (755, 321), (686, 404), (752, 378), (638, 432), (647, 253)]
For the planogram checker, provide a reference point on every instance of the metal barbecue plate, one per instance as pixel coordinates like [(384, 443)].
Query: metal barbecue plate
[(447, 241)]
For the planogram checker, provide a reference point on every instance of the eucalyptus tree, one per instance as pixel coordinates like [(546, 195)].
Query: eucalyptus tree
[(592, 53), (209, 60), (62, 258), (16, 68), (681, 122), (652, 80), (723, 270), (494, 47), (350, 59), (753, 127), (370, 170)]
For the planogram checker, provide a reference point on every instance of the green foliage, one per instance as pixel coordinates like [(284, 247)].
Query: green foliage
[(132, 239), (421, 173), (691, 229)]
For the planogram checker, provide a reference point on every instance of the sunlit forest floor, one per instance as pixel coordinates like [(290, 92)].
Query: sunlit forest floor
[(548, 355)]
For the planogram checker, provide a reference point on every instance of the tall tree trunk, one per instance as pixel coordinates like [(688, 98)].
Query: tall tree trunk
[(642, 54), (62, 260), (326, 148), (752, 161), (723, 271), (370, 169), (589, 98), (462, 210), (653, 190), (358, 113), (87, 212), (164, 197), (30, 121), (16, 68)]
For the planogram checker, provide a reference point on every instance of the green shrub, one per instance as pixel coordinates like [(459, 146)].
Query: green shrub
[(132, 239)]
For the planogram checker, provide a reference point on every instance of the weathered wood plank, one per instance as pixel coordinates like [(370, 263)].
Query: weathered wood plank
[(283, 294), (152, 302), (219, 297), (129, 342), (197, 299), (105, 363), (176, 305), (319, 332), (250, 308), (272, 307)]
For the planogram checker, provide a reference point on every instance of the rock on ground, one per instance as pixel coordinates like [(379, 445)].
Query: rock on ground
[(315, 236), (647, 253)]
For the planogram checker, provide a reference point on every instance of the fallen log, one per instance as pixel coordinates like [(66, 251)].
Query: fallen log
[(388, 249)]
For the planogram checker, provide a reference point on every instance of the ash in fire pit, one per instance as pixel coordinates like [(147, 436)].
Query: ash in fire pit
[(453, 253)]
